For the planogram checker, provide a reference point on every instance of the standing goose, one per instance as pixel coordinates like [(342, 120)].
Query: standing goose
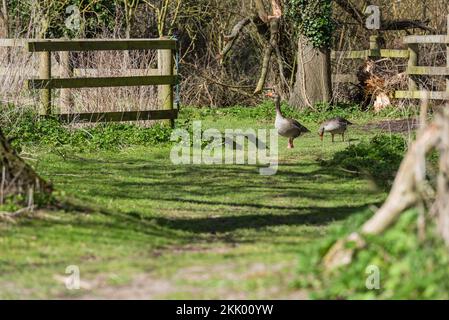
[(286, 127), (334, 126)]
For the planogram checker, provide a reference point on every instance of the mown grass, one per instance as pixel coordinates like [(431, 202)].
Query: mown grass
[(195, 231)]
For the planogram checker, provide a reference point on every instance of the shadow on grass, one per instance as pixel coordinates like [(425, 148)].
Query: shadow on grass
[(213, 199), (315, 216)]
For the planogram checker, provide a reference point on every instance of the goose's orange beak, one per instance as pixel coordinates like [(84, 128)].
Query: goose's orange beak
[(269, 94)]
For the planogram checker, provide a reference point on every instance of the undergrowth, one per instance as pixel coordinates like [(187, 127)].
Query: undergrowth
[(49, 132), (266, 111), (408, 268), (379, 158), (28, 129), (320, 112)]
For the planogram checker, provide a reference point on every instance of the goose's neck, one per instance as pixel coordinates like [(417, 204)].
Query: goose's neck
[(278, 108)]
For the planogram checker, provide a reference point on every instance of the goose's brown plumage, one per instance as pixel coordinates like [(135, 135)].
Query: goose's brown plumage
[(334, 126), (286, 127)]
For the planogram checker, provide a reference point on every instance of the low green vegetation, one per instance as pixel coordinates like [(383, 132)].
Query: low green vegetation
[(50, 133), (129, 218), (379, 158), (321, 112), (28, 129), (409, 268)]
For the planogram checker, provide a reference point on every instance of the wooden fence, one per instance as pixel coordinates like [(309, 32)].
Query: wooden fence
[(375, 52), (413, 70), (163, 76)]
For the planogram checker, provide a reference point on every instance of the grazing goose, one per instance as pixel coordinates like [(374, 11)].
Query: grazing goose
[(334, 126), (286, 127)]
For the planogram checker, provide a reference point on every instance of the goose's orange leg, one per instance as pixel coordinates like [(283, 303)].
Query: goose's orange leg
[(290, 143)]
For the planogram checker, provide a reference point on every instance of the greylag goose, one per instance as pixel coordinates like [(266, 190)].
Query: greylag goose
[(286, 127), (334, 126)]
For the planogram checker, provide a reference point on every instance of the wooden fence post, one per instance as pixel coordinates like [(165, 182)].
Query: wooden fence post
[(374, 46), (413, 50), (165, 67), (447, 56), (66, 71), (45, 73)]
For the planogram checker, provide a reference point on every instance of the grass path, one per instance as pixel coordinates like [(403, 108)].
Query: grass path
[(140, 227)]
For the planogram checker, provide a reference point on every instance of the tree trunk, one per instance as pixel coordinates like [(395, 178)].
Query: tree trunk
[(313, 82), (17, 177), (4, 17)]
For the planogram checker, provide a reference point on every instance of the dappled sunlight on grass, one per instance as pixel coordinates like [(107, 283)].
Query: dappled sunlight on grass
[(129, 212)]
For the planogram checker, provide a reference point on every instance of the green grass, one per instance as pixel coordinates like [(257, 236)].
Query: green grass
[(131, 219)]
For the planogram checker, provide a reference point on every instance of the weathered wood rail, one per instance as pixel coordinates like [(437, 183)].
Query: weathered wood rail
[(414, 70), (375, 51), (164, 76)]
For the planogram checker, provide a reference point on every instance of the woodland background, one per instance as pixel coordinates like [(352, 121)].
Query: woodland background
[(203, 28)]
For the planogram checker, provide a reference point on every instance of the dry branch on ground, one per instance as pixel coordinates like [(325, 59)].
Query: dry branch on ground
[(409, 189)]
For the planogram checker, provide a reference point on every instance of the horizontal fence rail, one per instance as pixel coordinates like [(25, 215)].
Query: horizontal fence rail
[(13, 43), (88, 72), (413, 70), (375, 51), (101, 82), (119, 116), (70, 78), (363, 54), (344, 77), (100, 45), (433, 95), (430, 71), (443, 39)]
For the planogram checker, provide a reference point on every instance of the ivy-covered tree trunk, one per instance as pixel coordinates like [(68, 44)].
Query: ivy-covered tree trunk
[(313, 76), (17, 177), (313, 82)]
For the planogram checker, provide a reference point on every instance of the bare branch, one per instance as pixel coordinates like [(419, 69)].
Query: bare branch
[(232, 37), (261, 11), (387, 25), (237, 28), (277, 10), (405, 24), (272, 45), (352, 10), (272, 21), (264, 70)]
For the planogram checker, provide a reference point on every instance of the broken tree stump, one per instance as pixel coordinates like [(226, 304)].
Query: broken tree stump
[(17, 177)]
